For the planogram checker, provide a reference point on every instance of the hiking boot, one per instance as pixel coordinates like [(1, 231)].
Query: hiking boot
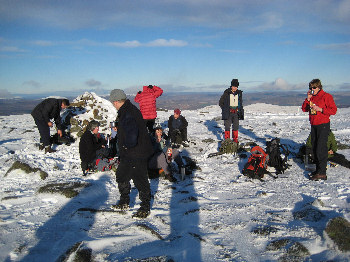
[(141, 213), (170, 177), (41, 146), (122, 207), (48, 149), (318, 177)]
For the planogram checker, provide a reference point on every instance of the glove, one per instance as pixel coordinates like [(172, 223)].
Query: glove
[(150, 86)]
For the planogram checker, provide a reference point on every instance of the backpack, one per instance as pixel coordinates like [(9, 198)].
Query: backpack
[(273, 149), (257, 163), (228, 147)]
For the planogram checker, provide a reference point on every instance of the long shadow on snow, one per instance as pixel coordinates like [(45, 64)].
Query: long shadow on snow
[(184, 241), (68, 226)]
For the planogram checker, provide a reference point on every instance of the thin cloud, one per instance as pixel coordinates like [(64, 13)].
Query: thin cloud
[(32, 83), (339, 47), (239, 14), (154, 43), (11, 49), (93, 83)]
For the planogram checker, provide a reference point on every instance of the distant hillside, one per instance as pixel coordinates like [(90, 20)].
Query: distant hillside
[(188, 101)]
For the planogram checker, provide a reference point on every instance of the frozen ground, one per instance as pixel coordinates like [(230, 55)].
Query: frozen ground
[(215, 214)]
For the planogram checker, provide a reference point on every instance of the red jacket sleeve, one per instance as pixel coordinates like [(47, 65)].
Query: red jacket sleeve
[(330, 107), (306, 106), (157, 91)]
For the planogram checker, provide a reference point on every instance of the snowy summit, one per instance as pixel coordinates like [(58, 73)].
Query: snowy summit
[(214, 214)]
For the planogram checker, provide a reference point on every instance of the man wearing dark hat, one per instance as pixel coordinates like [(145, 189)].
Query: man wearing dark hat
[(231, 104), (177, 125), (43, 113), (135, 148)]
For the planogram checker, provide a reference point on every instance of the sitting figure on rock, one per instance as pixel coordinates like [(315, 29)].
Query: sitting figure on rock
[(177, 125), (92, 149), (164, 155)]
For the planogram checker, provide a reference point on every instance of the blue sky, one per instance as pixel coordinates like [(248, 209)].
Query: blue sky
[(180, 45)]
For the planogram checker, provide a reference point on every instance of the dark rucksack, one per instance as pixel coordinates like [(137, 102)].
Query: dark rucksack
[(257, 163), (275, 150)]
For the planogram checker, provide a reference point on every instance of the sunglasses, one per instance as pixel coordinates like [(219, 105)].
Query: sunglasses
[(312, 87)]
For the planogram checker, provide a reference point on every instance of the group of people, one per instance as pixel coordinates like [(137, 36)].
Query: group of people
[(141, 146)]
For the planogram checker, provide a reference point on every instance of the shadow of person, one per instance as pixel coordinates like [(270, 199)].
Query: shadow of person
[(183, 243), (68, 226)]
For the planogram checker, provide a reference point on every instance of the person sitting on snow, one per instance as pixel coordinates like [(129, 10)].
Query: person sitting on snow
[(164, 155), (177, 125), (332, 149), (92, 147)]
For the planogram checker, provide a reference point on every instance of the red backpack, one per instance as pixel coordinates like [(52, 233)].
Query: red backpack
[(257, 163)]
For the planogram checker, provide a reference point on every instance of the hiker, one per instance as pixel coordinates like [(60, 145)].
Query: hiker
[(148, 107), (164, 155), (320, 106), (113, 139), (135, 148), (332, 147), (92, 147), (177, 125), (231, 104), (43, 113)]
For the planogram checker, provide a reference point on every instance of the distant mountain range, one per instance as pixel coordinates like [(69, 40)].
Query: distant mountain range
[(190, 101)]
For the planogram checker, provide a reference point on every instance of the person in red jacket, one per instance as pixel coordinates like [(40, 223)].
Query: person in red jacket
[(147, 101), (320, 106)]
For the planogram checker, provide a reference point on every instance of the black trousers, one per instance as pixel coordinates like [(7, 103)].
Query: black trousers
[(232, 120), (149, 124), (44, 131), (319, 137), (135, 169)]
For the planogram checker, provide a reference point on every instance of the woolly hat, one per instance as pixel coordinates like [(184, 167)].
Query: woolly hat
[(92, 125), (177, 111), (234, 82), (117, 95)]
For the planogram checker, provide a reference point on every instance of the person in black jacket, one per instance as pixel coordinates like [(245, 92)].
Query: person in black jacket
[(43, 113), (135, 148), (91, 147), (231, 104), (177, 125)]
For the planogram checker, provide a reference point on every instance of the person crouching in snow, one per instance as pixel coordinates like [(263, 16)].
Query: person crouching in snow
[(164, 155), (177, 125), (91, 147), (48, 109), (231, 104)]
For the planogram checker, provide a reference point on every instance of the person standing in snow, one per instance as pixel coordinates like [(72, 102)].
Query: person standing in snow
[(320, 106), (135, 148), (231, 103), (48, 109), (148, 106), (177, 125)]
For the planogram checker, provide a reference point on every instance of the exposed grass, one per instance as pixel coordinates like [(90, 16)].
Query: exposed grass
[(338, 229), (27, 169), (69, 190)]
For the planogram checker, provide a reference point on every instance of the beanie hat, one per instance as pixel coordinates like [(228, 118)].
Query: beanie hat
[(117, 95), (234, 82), (177, 111), (92, 125)]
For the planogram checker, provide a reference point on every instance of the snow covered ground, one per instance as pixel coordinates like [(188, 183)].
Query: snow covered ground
[(215, 214)]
